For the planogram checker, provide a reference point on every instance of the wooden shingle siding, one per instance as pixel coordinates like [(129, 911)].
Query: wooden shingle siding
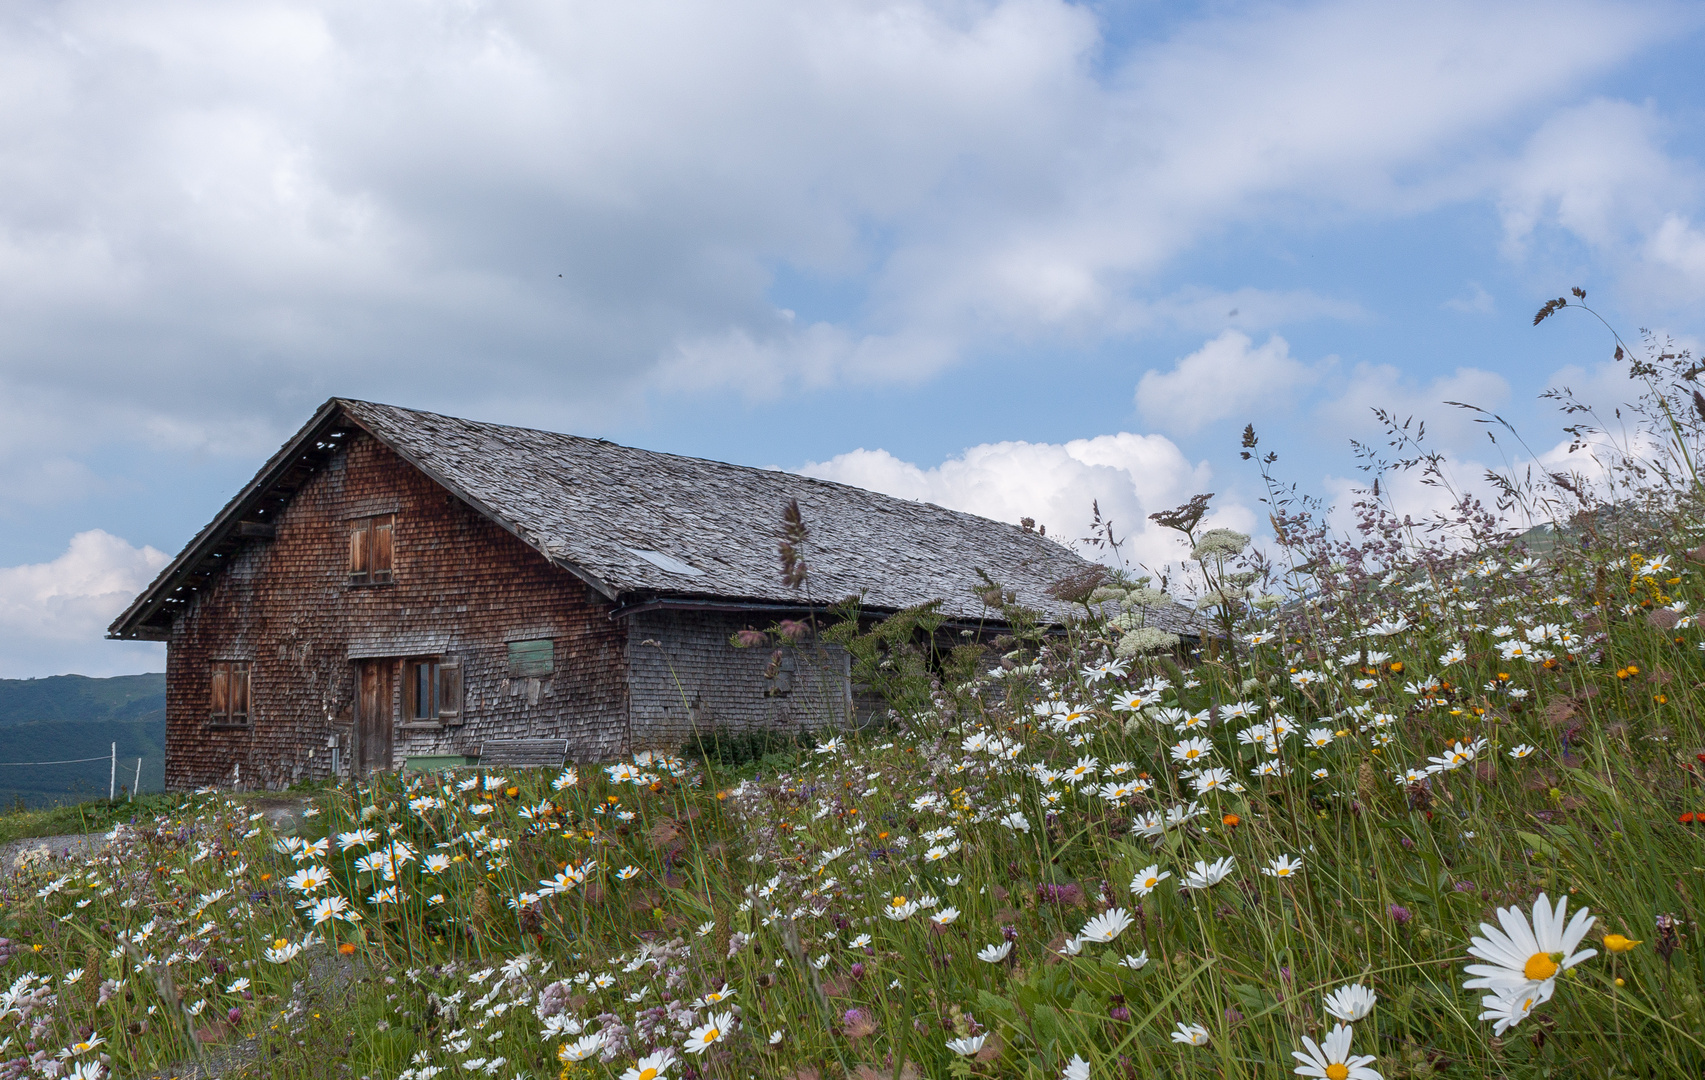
[(686, 677), (461, 584), (396, 584)]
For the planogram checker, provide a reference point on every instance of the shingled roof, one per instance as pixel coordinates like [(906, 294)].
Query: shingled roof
[(640, 526)]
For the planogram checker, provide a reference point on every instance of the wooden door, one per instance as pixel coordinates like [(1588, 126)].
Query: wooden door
[(373, 717)]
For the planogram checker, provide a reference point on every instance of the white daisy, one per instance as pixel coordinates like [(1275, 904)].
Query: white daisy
[(1331, 1059), (1525, 959), (1106, 926), (1350, 1003), (1147, 878)]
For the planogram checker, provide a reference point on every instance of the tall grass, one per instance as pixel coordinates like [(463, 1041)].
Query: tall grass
[(1425, 727)]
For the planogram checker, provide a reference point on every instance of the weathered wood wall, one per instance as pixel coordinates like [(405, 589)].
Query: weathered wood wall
[(686, 677), (462, 586)]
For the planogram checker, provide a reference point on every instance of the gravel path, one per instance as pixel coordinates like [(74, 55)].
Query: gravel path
[(282, 812), (72, 845)]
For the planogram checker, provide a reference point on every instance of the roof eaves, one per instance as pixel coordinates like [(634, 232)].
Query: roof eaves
[(133, 622)]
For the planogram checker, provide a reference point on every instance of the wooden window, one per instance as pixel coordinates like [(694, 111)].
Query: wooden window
[(371, 549), (229, 697), (432, 690), (531, 659)]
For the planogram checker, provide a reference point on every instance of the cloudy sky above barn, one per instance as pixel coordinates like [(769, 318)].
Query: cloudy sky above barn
[(1010, 257)]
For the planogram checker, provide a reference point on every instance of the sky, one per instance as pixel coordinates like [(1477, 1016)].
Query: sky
[(1012, 257)]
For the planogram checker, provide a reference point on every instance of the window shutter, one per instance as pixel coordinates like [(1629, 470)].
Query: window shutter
[(411, 691), (239, 693), (450, 689), (379, 561), (219, 703), (360, 550)]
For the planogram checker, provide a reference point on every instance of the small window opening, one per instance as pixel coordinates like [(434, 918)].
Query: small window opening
[(371, 549), (230, 692), (432, 690)]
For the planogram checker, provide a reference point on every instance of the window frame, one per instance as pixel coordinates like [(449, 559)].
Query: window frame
[(221, 674), (443, 676)]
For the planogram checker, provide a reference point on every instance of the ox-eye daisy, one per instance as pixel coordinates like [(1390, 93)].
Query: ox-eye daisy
[(1350, 1003), (1332, 1059), (1190, 1034), (1147, 878), (651, 1066), (711, 1032), (1523, 959), (1105, 927)]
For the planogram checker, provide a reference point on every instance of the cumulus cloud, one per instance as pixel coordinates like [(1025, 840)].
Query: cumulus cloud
[(1382, 386), (1130, 476), (53, 615), (220, 213), (1229, 377), (1601, 173)]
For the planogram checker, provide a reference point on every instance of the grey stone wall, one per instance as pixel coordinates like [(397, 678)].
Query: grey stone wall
[(685, 676)]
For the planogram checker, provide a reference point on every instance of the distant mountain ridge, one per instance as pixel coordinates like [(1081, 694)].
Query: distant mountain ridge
[(74, 716)]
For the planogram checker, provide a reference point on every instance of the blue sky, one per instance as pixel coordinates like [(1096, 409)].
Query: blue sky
[(1006, 256)]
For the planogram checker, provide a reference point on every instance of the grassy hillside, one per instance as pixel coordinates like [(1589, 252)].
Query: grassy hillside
[(72, 716), (1082, 865)]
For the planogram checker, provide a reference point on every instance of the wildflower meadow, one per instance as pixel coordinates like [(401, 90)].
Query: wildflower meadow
[(1424, 800)]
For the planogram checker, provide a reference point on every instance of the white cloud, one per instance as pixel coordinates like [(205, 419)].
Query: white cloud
[(1381, 386), (221, 213), (1600, 172), (1229, 377), (1130, 476), (53, 615), (1677, 247), (1475, 301), (811, 357)]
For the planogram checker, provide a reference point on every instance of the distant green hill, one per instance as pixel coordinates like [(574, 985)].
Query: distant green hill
[(72, 716)]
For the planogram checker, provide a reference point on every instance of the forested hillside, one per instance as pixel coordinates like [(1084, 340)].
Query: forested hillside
[(72, 716)]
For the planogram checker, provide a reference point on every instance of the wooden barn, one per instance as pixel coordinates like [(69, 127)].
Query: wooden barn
[(399, 585)]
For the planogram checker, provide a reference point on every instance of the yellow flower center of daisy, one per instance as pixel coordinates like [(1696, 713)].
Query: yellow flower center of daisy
[(1539, 967), (648, 1074), (1337, 1071), (711, 1035), (1284, 871)]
